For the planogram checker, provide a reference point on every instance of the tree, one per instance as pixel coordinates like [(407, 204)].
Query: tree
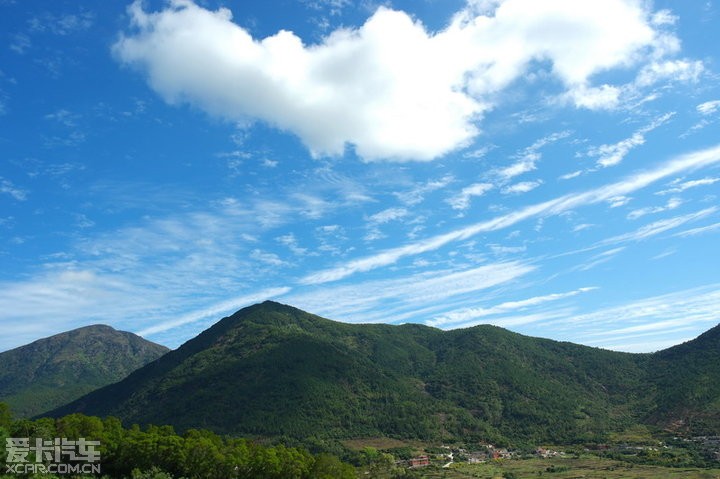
[(327, 466), (5, 416)]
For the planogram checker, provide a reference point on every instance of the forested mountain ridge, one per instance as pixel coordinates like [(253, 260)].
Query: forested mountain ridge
[(272, 370), (52, 371)]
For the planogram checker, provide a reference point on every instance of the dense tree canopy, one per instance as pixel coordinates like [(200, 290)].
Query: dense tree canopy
[(158, 452)]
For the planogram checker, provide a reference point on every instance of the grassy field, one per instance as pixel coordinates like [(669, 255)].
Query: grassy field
[(381, 443), (565, 468)]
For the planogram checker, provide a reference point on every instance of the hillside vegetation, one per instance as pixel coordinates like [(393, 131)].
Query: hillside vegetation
[(158, 452), (52, 371), (272, 370)]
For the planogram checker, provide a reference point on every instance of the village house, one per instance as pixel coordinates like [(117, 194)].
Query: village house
[(420, 461), (542, 452)]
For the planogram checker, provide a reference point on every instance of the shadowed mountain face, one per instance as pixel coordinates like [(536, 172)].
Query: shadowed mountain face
[(273, 370), (53, 371)]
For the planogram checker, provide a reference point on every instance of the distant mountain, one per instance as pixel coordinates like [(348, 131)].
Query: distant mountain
[(55, 370), (271, 370)]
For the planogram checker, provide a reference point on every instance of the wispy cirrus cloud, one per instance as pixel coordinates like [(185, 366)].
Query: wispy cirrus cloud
[(671, 204), (58, 300), (660, 226), (20, 43), (62, 25), (527, 158), (471, 316), (679, 186), (150, 273), (387, 215), (691, 311), (268, 258), (462, 200), (374, 221), (707, 111), (292, 243), (416, 195), (211, 312), (571, 175), (7, 187), (708, 107), (598, 259), (686, 162), (397, 300), (613, 154), (699, 230), (521, 187)]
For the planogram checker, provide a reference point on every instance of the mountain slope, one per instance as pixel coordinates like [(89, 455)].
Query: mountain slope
[(53, 371), (686, 380), (268, 369), (274, 370)]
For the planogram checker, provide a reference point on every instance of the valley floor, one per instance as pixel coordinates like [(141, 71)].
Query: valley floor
[(558, 468)]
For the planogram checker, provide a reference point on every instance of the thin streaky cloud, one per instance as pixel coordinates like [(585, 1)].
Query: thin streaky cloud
[(512, 321), (698, 231), (224, 307), (7, 187), (470, 314), (416, 195), (671, 204), (654, 327), (679, 308), (570, 176), (462, 200), (360, 301), (708, 107), (686, 162), (612, 154), (645, 346), (388, 215), (642, 233), (528, 158), (522, 166), (615, 336), (522, 187), (660, 226), (687, 185), (598, 259), (694, 309)]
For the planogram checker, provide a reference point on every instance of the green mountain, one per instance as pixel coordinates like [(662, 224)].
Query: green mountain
[(686, 381), (271, 370), (53, 371)]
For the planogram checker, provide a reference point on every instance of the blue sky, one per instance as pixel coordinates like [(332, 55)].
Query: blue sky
[(552, 167)]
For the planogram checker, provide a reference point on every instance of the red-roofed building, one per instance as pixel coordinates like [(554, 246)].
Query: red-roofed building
[(420, 461)]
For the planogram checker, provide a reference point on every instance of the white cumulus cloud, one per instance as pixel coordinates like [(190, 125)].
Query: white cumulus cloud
[(389, 88)]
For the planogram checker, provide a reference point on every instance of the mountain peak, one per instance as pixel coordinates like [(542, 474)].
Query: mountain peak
[(51, 371), (96, 327)]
